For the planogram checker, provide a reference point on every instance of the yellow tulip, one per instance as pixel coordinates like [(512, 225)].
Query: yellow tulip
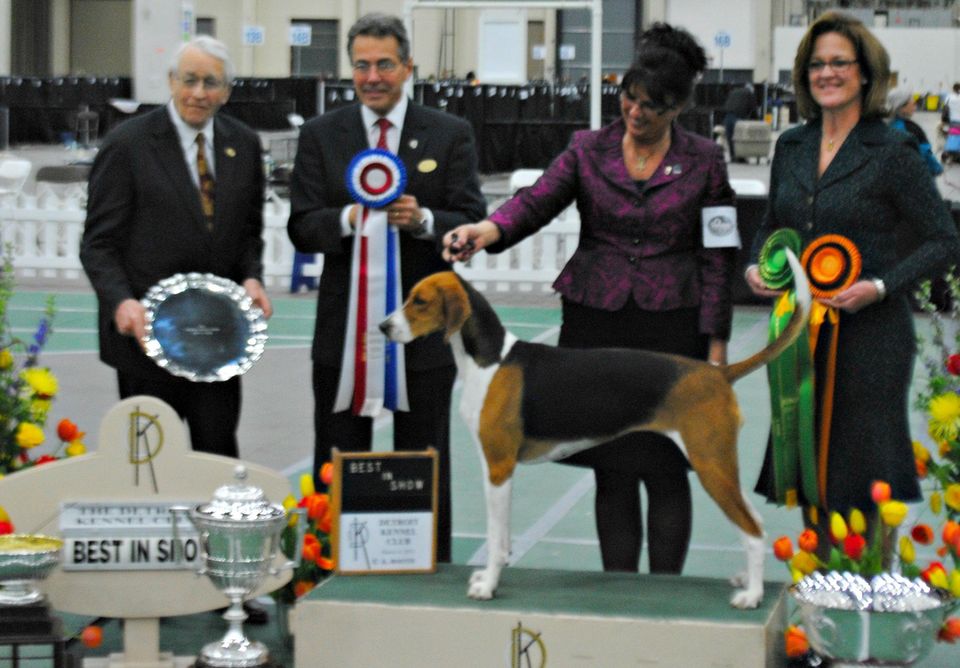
[(803, 562), (796, 575), (75, 448), (289, 504), (955, 583), (944, 448), (938, 578), (907, 552), (920, 452), (936, 503), (838, 528), (952, 496), (893, 513), (29, 435), (4, 517), (306, 486), (858, 523), (6, 359)]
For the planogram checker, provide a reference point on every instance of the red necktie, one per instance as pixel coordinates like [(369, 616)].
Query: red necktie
[(206, 181), (384, 125)]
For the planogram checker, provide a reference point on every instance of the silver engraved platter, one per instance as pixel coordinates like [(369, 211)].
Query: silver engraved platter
[(203, 327)]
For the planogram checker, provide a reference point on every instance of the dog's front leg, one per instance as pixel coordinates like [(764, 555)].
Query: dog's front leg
[(483, 582), (751, 580)]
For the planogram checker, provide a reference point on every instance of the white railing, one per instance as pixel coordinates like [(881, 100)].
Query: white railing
[(44, 236)]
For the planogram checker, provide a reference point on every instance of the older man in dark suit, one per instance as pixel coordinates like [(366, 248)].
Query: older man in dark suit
[(179, 189), (442, 192)]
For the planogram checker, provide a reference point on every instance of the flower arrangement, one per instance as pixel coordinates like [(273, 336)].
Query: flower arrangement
[(27, 390), (316, 562), (853, 551)]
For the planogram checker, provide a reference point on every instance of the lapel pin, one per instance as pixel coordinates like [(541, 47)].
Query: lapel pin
[(675, 169), (413, 143), (231, 152), (426, 166), (668, 170)]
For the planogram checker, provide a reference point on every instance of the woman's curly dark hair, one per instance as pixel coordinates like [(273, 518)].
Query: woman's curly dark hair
[(667, 64)]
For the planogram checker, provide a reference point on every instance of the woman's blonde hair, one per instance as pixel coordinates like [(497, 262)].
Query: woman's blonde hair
[(871, 56)]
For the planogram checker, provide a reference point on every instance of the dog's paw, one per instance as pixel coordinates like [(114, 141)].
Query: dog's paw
[(482, 585), (746, 598)]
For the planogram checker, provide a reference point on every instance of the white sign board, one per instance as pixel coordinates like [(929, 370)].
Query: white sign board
[(568, 52)]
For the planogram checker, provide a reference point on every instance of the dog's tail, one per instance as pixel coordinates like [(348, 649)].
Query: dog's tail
[(794, 328)]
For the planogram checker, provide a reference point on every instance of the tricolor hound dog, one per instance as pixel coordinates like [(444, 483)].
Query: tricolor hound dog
[(529, 402)]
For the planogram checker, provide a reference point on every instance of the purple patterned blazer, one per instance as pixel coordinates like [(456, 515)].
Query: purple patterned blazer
[(645, 241)]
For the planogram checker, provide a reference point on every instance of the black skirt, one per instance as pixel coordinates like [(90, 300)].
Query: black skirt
[(675, 331)]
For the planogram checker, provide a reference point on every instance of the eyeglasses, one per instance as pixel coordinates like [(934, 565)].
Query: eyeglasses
[(840, 65), (208, 83), (646, 106), (383, 65)]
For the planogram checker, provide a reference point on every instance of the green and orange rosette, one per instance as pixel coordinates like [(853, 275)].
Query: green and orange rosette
[(791, 380)]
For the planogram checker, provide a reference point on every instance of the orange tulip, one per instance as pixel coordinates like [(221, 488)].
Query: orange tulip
[(880, 491), (91, 636), (302, 587), (782, 548), (326, 473), (796, 641), (808, 540), (325, 563), (921, 468), (325, 523), (951, 531), (317, 505), (67, 431), (311, 551)]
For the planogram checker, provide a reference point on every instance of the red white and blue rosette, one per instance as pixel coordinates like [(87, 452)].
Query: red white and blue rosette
[(375, 178)]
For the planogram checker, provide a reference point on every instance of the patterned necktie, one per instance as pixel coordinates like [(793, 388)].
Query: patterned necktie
[(206, 181), (384, 125)]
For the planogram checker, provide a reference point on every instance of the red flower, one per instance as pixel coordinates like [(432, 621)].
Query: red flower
[(311, 551), (953, 364), (854, 545), (950, 630), (325, 523), (5, 528), (808, 540), (921, 468), (317, 505), (922, 533), (44, 459)]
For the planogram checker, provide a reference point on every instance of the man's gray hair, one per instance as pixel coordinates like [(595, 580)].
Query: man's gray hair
[(211, 47), (380, 25)]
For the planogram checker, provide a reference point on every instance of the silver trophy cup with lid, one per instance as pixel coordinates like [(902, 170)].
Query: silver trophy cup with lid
[(239, 540)]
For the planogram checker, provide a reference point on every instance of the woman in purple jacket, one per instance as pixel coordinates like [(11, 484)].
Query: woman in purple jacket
[(651, 271)]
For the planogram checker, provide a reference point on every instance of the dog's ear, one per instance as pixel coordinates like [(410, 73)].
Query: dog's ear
[(456, 309)]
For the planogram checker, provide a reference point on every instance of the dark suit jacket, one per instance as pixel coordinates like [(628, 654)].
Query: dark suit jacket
[(318, 193), (144, 221)]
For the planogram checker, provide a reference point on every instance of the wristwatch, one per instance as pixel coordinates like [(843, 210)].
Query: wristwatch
[(421, 227), (881, 288)]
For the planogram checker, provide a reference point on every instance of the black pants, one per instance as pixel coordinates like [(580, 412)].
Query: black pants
[(211, 410), (649, 458), (426, 424)]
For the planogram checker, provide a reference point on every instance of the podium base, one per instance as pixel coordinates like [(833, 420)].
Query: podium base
[(579, 619)]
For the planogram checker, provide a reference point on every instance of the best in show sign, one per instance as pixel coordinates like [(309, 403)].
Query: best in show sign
[(125, 536)]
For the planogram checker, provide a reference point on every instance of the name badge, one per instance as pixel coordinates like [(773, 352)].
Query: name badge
[(720, 227)]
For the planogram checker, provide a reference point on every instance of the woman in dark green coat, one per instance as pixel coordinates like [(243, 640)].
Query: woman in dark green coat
[(845, 172)]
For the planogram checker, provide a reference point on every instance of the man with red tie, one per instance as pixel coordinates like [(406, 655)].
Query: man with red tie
[(442, 191), (176, 190)]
